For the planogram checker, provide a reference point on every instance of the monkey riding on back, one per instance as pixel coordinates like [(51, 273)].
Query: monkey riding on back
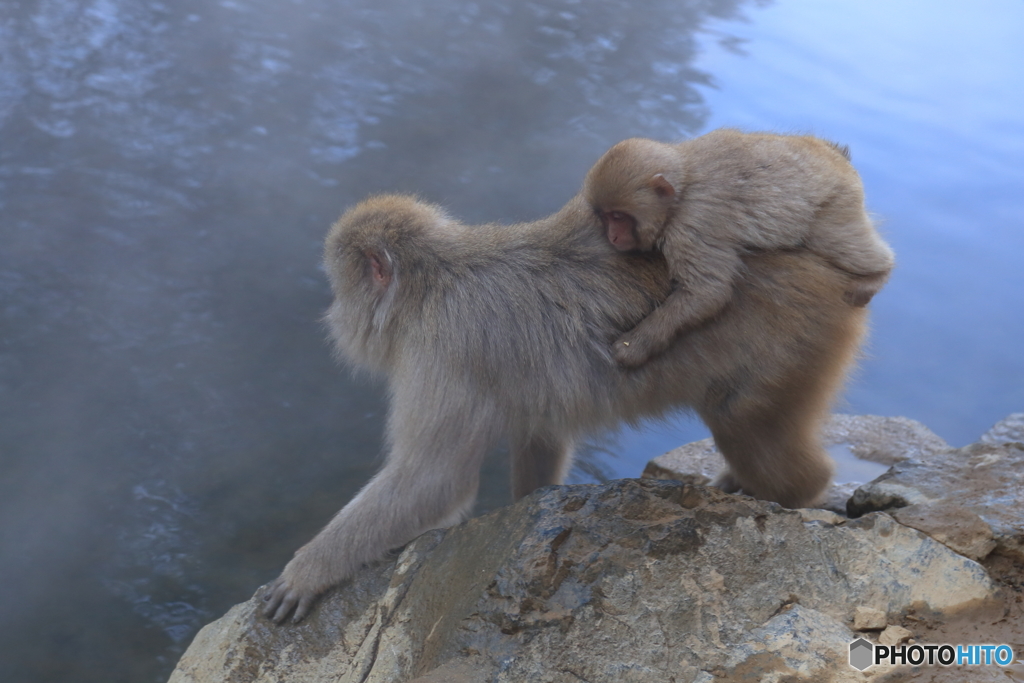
[(706, 201), (492, 332)]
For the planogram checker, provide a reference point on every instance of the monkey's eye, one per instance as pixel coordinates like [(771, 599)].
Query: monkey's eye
[(620, 220)]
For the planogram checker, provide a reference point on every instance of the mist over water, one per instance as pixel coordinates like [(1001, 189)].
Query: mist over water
[(172, 426)]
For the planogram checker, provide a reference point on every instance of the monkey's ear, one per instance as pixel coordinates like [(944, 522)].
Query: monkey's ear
[(380, 268), (662, 187)]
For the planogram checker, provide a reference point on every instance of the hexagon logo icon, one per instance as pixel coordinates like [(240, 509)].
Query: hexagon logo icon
[(861, 654)]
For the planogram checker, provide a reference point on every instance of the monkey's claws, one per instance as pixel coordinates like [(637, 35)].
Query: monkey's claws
[(281, 599)]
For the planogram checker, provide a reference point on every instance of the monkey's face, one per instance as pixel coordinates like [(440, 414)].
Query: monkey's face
[(620, 228), (638, 224), (630, 193)]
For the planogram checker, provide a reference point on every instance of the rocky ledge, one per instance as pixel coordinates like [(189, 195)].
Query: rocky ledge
[(657, 580)]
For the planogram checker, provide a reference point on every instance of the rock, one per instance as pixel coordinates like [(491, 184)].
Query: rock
[(695, 463), (969, 498), (952, 525), (894, 635), (635, 580), (869, 619), (1009, 429), (885, 440), (852, 439)]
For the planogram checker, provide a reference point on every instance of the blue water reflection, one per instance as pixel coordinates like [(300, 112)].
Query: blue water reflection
[(930, 101)]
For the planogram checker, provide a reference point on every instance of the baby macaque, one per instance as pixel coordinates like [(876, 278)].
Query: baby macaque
[(706, 202)]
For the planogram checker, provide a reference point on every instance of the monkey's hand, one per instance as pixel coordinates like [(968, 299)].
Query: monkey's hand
[(296, 589), (632, 349)]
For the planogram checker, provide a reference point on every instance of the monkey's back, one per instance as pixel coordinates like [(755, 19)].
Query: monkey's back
[(555, 306), (522, 318), (765, 190), (533, 312)]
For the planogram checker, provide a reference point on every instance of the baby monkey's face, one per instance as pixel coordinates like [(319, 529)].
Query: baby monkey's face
[(620, 228)]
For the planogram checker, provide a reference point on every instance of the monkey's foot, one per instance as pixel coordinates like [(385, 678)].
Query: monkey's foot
[(858, 298), (727, 481), (864, 289), (630, 351), (287, 594)]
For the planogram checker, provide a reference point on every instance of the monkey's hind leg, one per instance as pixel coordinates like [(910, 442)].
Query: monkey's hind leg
[(845, 236), (774, 457), (727, 481), (539, 460)]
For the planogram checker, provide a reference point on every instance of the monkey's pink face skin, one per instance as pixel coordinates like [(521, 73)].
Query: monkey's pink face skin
[(621, 229)]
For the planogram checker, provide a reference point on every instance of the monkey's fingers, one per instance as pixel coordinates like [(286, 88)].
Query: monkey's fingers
[(280, 601), (283, 600), (629, 354), (302, 609), (272, 598), (287, 605)]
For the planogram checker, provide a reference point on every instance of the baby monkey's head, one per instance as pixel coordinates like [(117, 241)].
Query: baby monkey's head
[(633, 191)]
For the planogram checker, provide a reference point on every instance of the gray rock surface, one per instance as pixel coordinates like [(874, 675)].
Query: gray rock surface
[(868, 438), (636, 580), (1007, 430), (969, 498), (885, 440)]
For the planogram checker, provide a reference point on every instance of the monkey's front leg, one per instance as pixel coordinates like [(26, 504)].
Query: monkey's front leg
[(684, 308), (703, 273), (390, 511), (637, 346), (429, 482)]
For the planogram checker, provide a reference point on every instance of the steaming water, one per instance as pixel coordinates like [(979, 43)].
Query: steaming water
[(171, 424)]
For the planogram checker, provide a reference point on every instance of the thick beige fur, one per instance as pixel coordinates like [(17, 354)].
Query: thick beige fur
[(706, 202)]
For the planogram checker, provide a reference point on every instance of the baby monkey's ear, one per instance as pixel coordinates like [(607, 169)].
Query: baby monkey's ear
[(662, 187)]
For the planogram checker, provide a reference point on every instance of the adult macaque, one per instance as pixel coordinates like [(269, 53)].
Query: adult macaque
[(705, 202), (491, 331)]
